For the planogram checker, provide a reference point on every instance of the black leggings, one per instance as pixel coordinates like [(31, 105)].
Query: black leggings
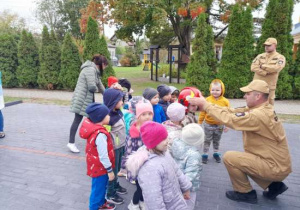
[(74, 127), (138, 195)]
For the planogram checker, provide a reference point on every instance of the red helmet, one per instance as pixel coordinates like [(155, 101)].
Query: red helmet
[(188, 92)]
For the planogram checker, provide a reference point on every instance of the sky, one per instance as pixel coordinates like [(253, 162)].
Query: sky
[(26, 8)]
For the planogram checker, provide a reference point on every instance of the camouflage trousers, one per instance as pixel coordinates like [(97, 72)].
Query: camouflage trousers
[(213, 134)]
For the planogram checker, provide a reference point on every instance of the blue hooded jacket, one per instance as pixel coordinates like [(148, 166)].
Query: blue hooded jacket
[(110, 98)]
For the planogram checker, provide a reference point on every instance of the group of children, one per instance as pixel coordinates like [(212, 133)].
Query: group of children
[(154, 140)]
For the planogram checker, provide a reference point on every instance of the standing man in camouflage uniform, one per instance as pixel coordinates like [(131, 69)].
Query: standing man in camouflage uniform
[(267, 66), (266, 158)]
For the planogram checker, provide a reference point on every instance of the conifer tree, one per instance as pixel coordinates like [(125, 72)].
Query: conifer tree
[(91, 43), (237, 52), (28, 59), (103, 50), (8, 60), (50, 64), (70, 63), (198, 72), (211, 55)]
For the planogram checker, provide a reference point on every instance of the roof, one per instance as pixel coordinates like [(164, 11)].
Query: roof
[(296, 30)]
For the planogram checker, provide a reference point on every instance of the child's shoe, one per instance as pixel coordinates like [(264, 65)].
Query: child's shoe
[(107, 205), (142, 205), (122, 173), (115, 199), (217, 157), (73, 148), (121, 190), (132, 206), (204, 159), (2, 134)]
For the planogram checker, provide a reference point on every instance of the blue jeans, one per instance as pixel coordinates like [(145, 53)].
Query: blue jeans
[(1, 121), (97, 197)]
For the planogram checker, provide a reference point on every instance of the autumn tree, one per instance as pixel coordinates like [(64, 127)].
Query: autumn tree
[(97, 10), (28, 59)]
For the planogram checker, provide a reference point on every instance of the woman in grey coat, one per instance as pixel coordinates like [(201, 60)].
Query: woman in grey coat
[(87, 84)]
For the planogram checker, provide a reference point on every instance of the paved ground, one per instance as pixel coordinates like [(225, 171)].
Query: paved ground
[(38, 172), (282, 107)]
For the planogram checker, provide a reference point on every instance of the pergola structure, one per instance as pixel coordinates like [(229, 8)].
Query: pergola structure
[(170, 60)]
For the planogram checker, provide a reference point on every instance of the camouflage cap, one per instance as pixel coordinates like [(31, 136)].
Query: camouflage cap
[(256, 85), (270, 41)]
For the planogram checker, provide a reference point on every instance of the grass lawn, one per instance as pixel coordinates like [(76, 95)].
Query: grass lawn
[(140, 79)]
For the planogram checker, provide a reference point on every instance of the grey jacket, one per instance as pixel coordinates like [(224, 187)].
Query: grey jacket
[(163, 183), (189, 160), (87, 84)]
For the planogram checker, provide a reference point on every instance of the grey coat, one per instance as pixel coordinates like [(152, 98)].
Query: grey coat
[(163, 183), (87, 84)]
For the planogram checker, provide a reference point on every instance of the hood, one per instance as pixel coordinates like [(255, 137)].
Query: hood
[(89, 64), (111, 97), (179, 149), (136, 160), (88, 128), (222, 85)]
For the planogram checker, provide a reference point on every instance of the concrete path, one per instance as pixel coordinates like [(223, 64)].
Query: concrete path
[(37, 172)]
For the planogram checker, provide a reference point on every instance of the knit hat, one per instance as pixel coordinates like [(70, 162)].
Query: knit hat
[(163, 90), (142, 107), (97, 112), (193, 134), (176, 112), (125, 83), (134, 101), (149, 93), (111, 80), (153, 133), (173, 89)]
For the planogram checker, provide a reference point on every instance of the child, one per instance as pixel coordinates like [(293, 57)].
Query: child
[(113, 99), (112, 81), (152, 95), (163, 184), (100, 156), (174, 94), (126, 85), (176, 113), (164, 97), (188, 157), (184, 95), (212, 128), (144, 112)]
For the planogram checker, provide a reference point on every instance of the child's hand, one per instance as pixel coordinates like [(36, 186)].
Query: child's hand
[(111, 176), (226, 129), (187, 195)]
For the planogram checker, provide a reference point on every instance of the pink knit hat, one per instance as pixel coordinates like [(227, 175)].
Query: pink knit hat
[(153, 133), (142, 107)]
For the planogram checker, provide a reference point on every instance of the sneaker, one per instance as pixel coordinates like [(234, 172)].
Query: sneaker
[(107, 205), (122, 173), (132, 206), (115, 199), (142, 205), (204, 159), (249, 197), (275, 189), (132, 182), (73, 148), (2, 134), (217, 157), (121, 190)]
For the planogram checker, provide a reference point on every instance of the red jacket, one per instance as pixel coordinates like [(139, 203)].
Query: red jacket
[(90, 131)]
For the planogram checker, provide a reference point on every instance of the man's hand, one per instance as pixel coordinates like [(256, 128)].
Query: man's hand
[(187, 195), (200, 102), (111, 176)]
